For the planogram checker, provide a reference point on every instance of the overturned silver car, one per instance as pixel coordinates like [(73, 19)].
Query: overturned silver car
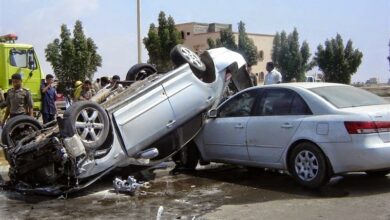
[(142, 125)]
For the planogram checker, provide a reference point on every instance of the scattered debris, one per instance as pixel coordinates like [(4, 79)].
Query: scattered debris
[(128, 186)]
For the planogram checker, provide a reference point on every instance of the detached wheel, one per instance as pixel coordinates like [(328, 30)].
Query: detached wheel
[(181, 55), (308, 165), (140, 72), (89, 121), (188, 157), (379, 173), (17, 128)]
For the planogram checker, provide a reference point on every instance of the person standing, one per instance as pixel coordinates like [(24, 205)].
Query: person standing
[(96, 85), (78, 86), (87, 92), (252, 76), (115, 83), (18, 101), (49, 94), (273, 76), (104, 81)]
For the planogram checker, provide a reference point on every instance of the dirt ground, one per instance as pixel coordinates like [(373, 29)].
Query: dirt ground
[(212, 192)]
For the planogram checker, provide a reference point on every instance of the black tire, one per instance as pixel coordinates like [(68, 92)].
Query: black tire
[(135, 73), (378, 173), (181, 55), (308, 165), (93, 131), (188, 157), (17, 128)]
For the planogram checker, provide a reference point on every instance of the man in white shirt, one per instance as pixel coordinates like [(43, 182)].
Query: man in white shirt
[(273, 76)]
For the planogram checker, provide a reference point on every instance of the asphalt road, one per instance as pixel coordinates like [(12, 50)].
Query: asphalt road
[(213, 192)]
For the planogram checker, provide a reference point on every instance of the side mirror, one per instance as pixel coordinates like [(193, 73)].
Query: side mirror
[(212, 113)]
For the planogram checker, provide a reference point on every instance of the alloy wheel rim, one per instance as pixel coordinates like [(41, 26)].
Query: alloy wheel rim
[(89, 125), (192, 57), (306, 165)]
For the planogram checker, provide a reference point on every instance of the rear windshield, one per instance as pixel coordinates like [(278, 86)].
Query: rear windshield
[(348, 96)]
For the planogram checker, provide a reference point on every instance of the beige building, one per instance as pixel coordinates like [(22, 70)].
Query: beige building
[(195, 37)]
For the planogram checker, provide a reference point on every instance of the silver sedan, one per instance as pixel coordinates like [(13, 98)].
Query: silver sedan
[(312, 130)]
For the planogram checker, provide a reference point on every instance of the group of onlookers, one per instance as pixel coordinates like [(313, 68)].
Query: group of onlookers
[(85, 90), (19, 100)]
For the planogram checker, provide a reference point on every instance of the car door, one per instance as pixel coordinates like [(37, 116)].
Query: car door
[(224, 137), (145, 119), (277, 117)]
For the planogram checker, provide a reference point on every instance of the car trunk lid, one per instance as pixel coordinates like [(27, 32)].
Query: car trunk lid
[(380, 114)]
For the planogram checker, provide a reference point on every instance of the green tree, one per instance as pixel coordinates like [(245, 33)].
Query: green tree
[(245, 46), (290, 57), (74, 58), (211, 43), (338, 63), (226, 39), (160, 42)]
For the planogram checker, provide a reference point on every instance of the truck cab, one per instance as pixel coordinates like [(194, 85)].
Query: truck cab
[(20, 58)]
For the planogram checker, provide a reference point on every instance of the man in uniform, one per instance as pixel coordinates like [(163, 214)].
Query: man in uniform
[(18, 101)]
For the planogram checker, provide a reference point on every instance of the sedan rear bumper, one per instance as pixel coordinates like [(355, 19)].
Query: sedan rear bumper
[(365, 152)]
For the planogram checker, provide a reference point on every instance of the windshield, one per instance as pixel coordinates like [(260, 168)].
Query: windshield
[(18, 58), (348, 96)]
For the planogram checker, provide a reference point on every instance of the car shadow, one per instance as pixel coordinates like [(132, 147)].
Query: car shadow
[(271, 185)]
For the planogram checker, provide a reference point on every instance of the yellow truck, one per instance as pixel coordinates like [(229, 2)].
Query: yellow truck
[(20, 58)]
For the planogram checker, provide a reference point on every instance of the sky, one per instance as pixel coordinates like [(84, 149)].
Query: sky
[(112, 25)]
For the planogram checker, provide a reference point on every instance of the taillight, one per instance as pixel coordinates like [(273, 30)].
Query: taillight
[(383, 126), (367, 127)]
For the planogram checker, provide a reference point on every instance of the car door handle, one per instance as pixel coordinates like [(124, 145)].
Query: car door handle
[(170, 123), (209, 99), (240, 126), (287, 125)]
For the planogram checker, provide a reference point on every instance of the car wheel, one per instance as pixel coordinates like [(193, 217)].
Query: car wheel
[(140, 71), (89, 121), (17, 128), (308, 165), (181, 55), (188, 157), (379, 173)]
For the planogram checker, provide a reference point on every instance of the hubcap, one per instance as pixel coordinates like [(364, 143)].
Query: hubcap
[(141, 75), (192, 57), (89, 125), (306, 165)]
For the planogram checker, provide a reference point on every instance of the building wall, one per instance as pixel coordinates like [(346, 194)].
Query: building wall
[(195, 37)]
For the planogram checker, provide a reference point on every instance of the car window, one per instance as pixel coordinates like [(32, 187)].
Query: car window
[(299, 106), (282, 102), (240, 105), (348, 96)]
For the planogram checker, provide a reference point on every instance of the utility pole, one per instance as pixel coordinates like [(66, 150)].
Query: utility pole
[(139, 30)]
